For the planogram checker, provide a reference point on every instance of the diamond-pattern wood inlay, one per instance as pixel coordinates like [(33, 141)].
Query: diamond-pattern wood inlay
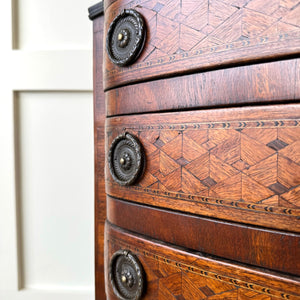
[(177, 26), (254, 165), (178, 280), (194, 27), (244, 170)]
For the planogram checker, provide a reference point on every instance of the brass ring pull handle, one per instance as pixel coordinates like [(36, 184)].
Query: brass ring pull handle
[(126, 275), (126, 37), (126, 159)]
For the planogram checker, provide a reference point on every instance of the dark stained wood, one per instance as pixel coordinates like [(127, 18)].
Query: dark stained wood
[(238, 164), (262, 83), (173, 273), (188, 36), (270, 249), (223, 179), (99, 127), (96, 10)]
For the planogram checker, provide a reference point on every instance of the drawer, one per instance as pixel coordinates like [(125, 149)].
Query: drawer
[(174, 273), (185, 36), (251, 245), (253, 84), (238, 164)]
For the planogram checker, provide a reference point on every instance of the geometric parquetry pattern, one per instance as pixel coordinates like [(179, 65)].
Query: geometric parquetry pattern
[(177, 26), (171, 280), (254, 165), (171, 283)]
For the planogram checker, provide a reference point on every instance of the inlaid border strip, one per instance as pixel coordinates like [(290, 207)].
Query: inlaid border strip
[(213, 201), (236, 125)]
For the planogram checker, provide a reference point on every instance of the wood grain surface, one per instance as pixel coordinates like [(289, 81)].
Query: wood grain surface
[(173, 273), (261, 83), (184, 36), (214, 100), (239, 164), (256, 246), (99, 128)]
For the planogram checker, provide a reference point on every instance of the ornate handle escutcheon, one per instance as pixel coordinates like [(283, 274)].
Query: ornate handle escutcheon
[(126, 275), (126, 37), (126, 159)]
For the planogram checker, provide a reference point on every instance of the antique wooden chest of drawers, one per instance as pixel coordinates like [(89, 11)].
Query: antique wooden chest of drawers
[(197, 149)]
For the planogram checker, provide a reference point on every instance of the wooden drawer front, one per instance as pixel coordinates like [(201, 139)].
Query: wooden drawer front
[(172, 273), (271, 249), (237, 164), (187, 35), (259, 83)]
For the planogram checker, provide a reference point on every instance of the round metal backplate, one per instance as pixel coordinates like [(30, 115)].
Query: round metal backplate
[(126, 275), (126, 159), (126, 37)]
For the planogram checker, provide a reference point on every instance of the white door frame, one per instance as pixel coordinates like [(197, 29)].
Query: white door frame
[(15, 77)]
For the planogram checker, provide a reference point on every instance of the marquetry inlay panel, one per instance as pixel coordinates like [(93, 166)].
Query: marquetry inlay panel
[(252, 165), (189, 33), (173, 274)]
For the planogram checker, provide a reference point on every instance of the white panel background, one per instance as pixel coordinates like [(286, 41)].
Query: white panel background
[(46, 150), (56, 188), (56, 24)]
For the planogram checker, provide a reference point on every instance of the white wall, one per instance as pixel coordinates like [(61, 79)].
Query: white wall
[(46, 150)]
